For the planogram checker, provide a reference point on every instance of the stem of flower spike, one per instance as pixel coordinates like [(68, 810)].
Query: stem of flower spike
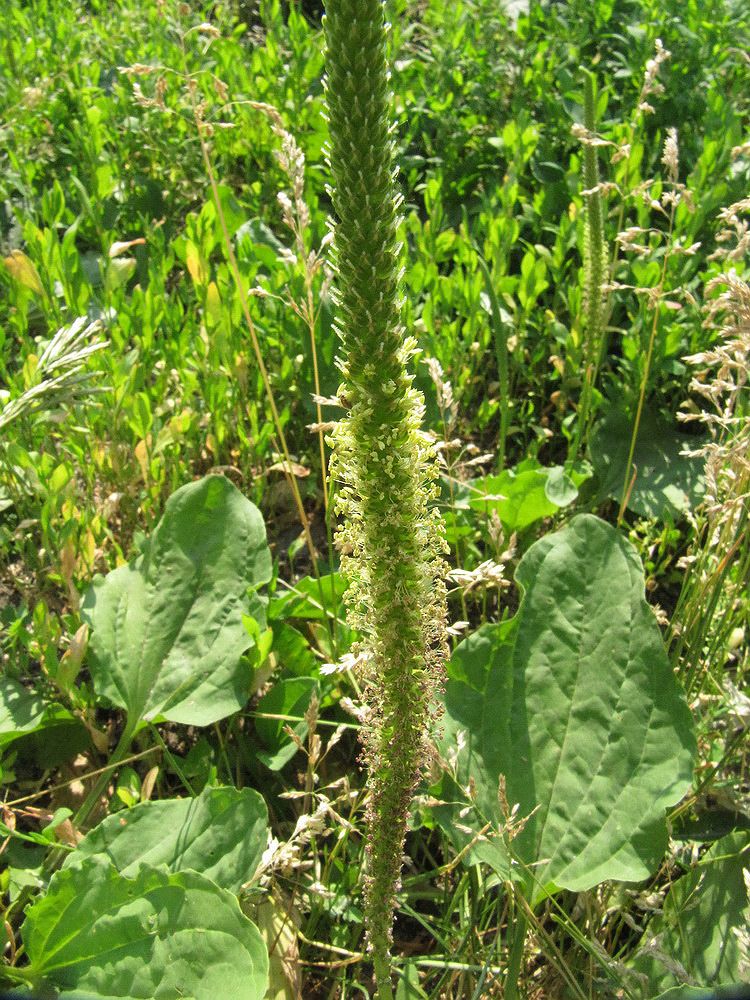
[(594, 267), (391, 536)]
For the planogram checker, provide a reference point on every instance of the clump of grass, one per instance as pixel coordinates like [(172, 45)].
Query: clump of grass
[(391, 538), (713, 604)]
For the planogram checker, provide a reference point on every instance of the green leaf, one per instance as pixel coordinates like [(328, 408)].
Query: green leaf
[(59, 739), (408, 983), (23, 711), (696, 930), (289, 697), (526, 494), (710, 820), (477, 698), (59, 816), (255, 240), (311, 599), (29, 838), (24, 864), (168, 633), (292, 650), (581, 713), (220, 834), (119, 272), (156, 935), (667, 483), (562, 488), (600, 726), (232, 211)]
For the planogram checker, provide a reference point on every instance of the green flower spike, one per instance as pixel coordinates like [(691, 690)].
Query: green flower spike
[(594, 263), (391, 538)]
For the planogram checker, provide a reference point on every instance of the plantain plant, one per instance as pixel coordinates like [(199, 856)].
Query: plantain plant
[(390, 537)]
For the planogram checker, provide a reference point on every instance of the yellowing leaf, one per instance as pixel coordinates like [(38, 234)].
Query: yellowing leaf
[(29, 370), (67, 570), (180, 422), (278, 928), (195, 264), (141, 454), (72, 658), (24, 272), (240, 370), (86, 552), (213, 304)]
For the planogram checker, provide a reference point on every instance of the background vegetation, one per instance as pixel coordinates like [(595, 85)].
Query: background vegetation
[(150, 154)]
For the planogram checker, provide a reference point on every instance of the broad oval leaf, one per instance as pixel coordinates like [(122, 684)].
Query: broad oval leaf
[(693, 942), (168, 634), (667, 483), (476, 738), (526, 494), (23, 711), (588, 724), (221, 834), (156, 935)]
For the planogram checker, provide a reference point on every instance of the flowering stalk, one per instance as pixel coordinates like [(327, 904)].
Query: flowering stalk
[(391, 537), (594, 261)]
